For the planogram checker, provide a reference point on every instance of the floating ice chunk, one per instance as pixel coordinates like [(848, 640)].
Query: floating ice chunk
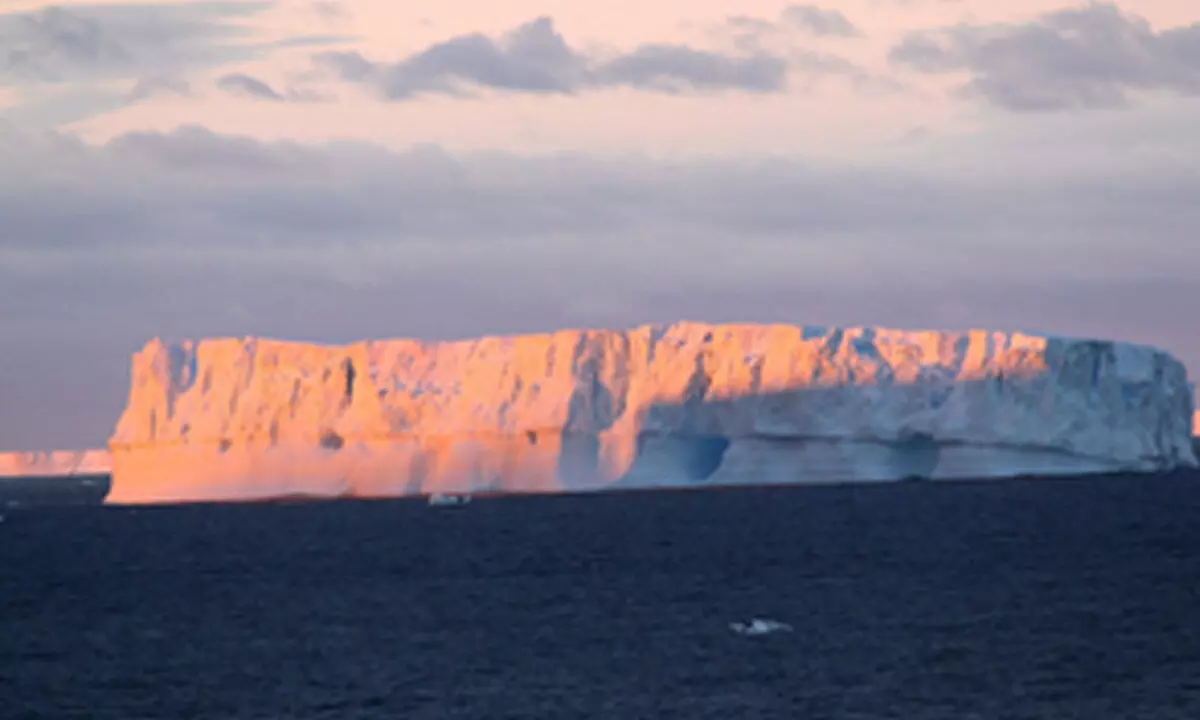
[(449, 499), (759, 626)]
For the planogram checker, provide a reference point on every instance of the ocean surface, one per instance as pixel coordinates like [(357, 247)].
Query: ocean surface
[(1047, 599)]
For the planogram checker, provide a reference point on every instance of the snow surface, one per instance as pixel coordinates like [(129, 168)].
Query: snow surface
[(231, 419), (55, 463)]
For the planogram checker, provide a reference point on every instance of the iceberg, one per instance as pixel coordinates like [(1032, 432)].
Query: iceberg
[(55, 463), (1195, 416), (655, 406)]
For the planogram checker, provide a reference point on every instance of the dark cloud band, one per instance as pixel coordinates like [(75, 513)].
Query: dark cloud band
[(194, 233)]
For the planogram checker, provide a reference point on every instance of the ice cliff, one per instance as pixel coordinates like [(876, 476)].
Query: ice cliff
[(54, 463), (1196, 414), (225, 419)]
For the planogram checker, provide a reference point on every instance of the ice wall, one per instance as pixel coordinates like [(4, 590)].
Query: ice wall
[(657, 405), (62, 463), (1196, 413)]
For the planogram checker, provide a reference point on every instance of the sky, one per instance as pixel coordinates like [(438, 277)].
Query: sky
[(334, 171)]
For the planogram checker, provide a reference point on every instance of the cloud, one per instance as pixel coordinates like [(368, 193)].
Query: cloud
[(251, 87), (1084, 58), (534, 58), (820, 22), (779, 37), (192, 196), (677, 68), (88, 43), (750, 32), (68, 62), (329, 10), (159, 85), (195, 233), (245, 85)]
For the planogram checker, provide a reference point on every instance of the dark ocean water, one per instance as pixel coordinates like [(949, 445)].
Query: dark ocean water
[(1029, 599)]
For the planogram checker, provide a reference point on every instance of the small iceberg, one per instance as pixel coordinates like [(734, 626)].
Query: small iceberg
[(449, 500), (759, 626)]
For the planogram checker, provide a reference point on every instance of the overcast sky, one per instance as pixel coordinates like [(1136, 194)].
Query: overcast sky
[(343, 170)]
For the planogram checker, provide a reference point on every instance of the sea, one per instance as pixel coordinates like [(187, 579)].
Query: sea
[(1034, 598)]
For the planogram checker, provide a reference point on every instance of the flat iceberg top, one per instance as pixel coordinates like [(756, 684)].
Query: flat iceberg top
[(1087, 397)]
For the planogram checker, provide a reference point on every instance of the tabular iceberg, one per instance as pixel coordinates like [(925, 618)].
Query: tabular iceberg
[(48, 463), (662, 405)]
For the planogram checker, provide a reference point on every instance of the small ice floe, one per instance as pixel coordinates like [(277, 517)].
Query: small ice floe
[(759, 626), (449, 499)]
